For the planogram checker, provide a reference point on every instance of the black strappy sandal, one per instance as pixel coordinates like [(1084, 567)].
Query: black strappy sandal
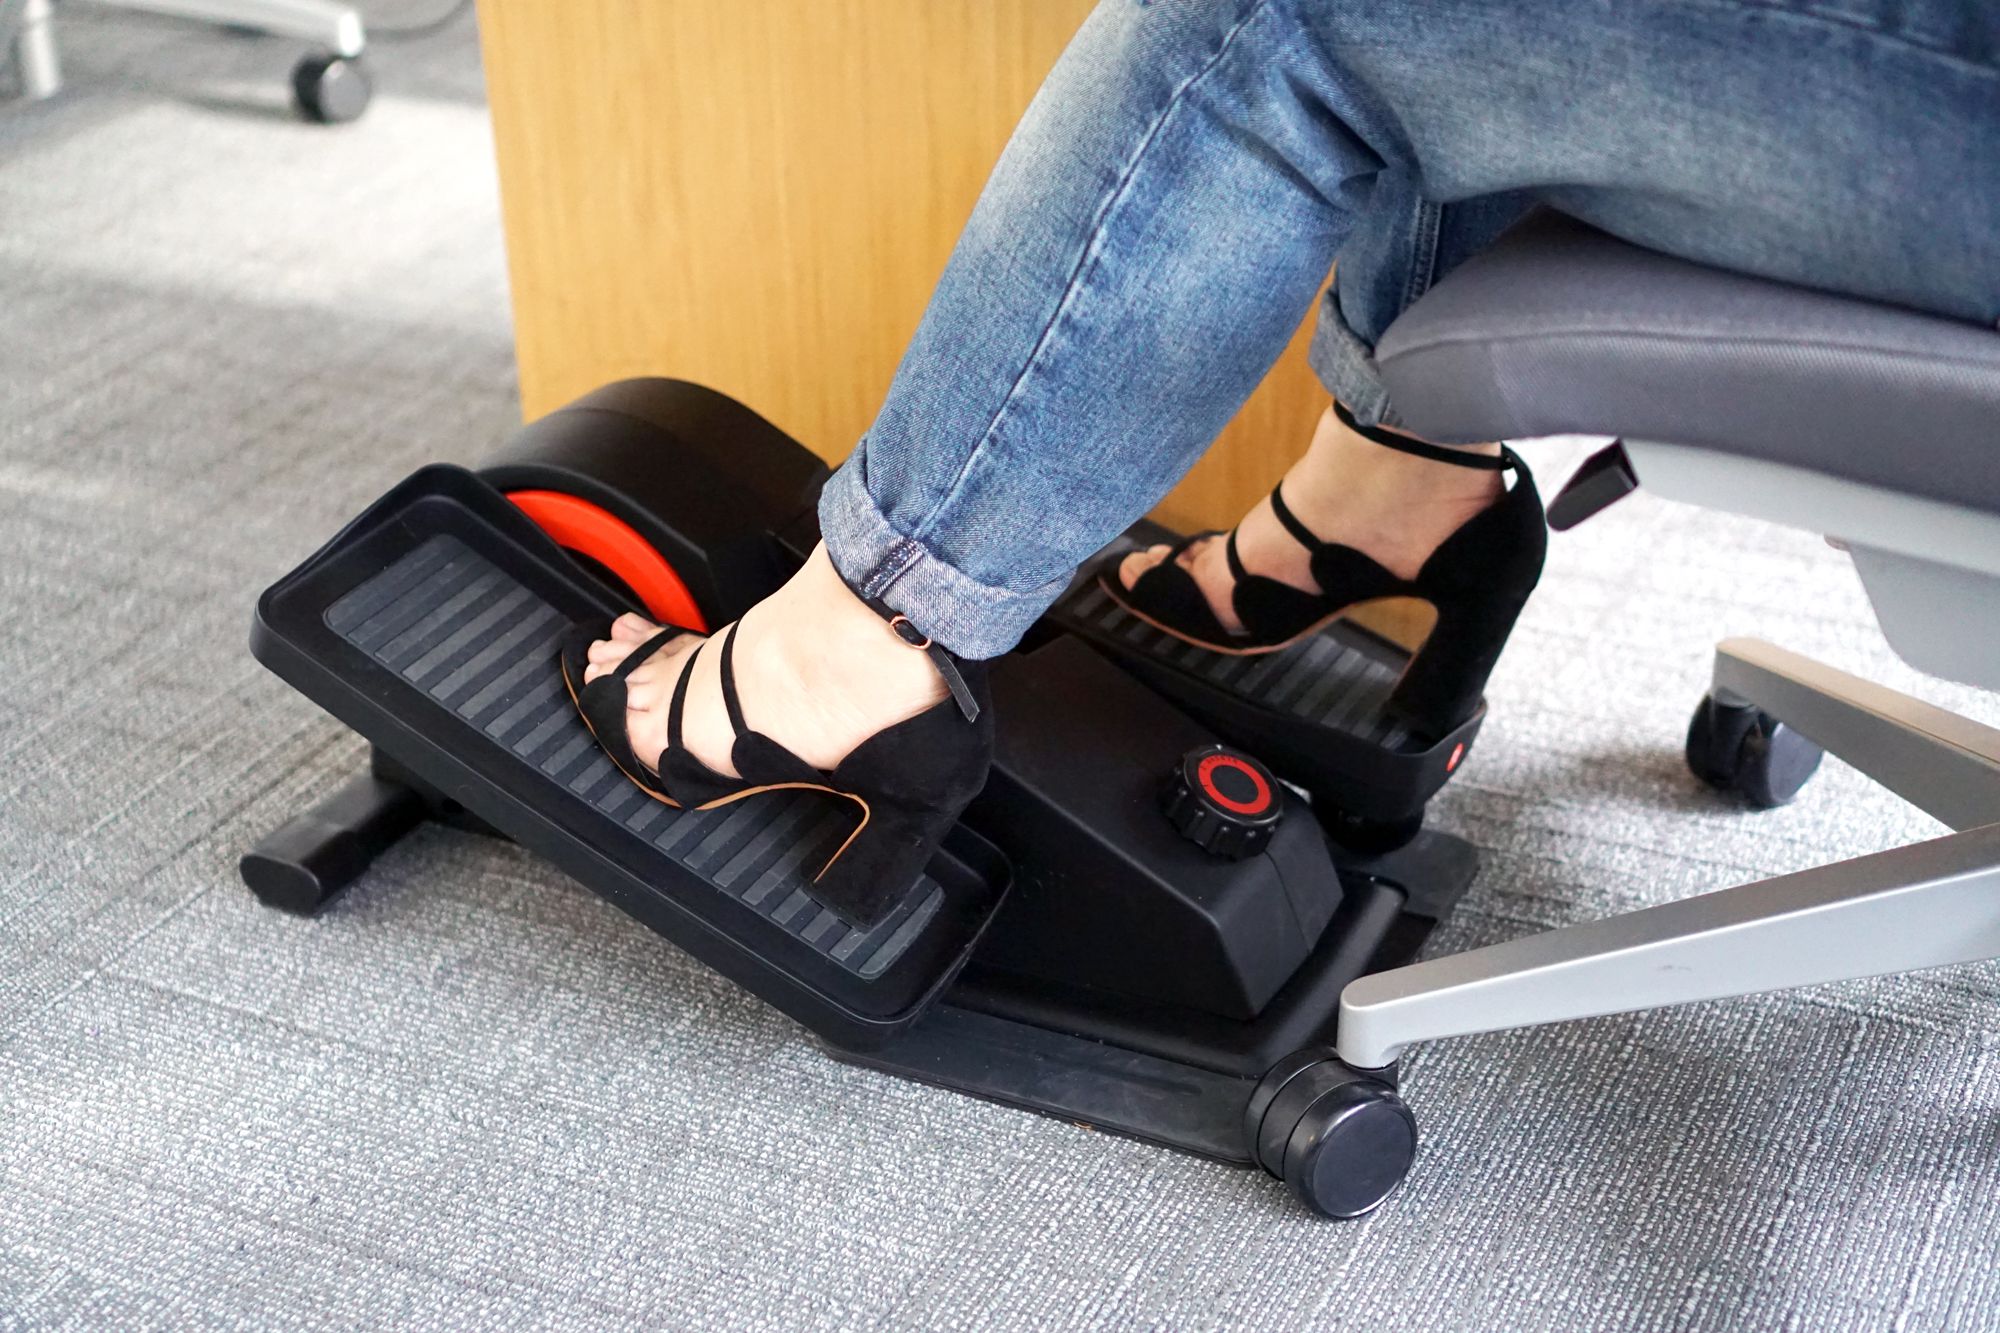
[(1477, 581), (908, 782)]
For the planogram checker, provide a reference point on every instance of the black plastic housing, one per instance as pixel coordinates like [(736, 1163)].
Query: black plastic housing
[(1107, 895), (705, 480)]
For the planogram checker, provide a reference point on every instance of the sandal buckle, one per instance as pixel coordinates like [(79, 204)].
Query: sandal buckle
[(908, 632)]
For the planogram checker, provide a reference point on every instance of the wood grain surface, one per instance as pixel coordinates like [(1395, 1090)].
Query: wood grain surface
[(760, 195)]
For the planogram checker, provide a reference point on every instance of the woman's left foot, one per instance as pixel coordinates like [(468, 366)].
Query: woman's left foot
[(1393, 508), (1368, 515)]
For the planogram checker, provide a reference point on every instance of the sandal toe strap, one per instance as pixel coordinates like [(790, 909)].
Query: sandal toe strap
[(602, 702), (644, 652), (759, 760), (1168, 594), (1269, 608), (1272, 610)]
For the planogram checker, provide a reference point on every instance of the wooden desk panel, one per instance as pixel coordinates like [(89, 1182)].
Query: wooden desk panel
[(760, 194)]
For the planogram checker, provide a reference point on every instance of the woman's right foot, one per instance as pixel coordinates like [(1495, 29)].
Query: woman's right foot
[(842, 706), (815, 670), (1367, 514)]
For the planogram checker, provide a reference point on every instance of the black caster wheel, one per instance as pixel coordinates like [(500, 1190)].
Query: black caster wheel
[(1342, 1140), (331, 89), (1741, 749), (1369, 837)]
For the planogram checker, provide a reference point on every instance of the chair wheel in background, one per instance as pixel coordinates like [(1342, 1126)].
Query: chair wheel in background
[(331, 89), (1741, 749)]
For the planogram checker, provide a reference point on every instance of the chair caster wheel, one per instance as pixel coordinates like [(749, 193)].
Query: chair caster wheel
[(1739, 748), (331, 89), (1343, 1140)]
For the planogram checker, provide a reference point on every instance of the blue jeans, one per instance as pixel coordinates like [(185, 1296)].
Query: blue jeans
[(1179, 188)]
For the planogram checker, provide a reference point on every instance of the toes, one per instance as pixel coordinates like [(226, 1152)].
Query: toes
[(604, 655), (642, 693), (1191, 557), (646, 733), (632, 628), (1134, 566), (651, 684)]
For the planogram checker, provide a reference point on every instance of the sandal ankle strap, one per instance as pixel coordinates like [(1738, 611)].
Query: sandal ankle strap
[(732, 702), (941, 657), (1409, 444)]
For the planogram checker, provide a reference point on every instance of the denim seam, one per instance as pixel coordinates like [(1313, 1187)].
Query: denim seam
[(1423, 251), (895, 562), (1085, 263), (1823, 19)]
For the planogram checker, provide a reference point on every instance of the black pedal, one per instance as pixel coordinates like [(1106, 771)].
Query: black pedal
[(1335, 739), (431, 624)]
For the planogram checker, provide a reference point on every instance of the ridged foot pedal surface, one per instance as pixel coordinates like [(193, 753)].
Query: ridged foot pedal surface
[(1338, 740), (431, 626)]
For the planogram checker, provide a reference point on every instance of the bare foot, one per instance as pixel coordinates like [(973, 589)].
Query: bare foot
[(1393, 507), (816, 670)]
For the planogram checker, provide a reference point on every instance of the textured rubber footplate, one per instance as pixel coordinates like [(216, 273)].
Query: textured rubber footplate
[(1340, 677), (432, 625), (451, 624)]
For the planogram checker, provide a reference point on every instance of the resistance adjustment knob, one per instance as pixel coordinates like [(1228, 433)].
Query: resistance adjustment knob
[(1223, 801)]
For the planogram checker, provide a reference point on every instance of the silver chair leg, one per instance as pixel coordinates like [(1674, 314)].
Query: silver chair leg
[(322, 22), (1940, 762), (1927, 905), (35, 51)]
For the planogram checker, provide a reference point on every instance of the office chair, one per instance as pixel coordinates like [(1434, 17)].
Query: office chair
[(1875, 425), (329, 84)]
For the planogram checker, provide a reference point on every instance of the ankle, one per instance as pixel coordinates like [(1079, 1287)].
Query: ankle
[(834, 646), (1394, 507)]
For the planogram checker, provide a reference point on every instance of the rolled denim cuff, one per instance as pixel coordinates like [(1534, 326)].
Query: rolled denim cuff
[(1345, 364), (970, 618)]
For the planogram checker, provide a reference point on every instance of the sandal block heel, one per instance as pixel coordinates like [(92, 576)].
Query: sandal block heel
[(911, 781), (1442, 684)]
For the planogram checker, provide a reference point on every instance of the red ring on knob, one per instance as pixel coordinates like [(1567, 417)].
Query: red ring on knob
[(1204, 774)]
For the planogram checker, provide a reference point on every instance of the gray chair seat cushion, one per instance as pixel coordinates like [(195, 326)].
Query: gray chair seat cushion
[(1561, 329)]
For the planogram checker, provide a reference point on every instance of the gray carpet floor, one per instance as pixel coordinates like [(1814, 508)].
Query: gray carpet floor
[(474, 1096)]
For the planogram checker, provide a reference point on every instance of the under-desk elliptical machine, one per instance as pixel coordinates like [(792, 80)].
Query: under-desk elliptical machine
[(1136, 926)]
